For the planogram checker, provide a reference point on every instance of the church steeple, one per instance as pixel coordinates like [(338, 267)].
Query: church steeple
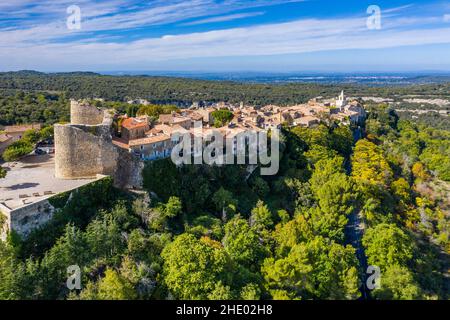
[(341, 101)]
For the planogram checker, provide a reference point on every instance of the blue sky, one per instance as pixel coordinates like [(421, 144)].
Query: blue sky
[(225, 35)]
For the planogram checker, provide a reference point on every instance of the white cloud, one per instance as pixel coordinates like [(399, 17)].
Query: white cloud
[(230, 17), (40, 45), (121, 14), (397, 9), (294, 37)]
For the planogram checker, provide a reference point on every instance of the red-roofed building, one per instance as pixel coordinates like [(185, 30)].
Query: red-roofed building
[(14, 133), (134, 128)]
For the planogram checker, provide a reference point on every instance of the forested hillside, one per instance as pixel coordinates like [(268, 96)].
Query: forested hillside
[(183, 90), (209, 233), (205, 232)]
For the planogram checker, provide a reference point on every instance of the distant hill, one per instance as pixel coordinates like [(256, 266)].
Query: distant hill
[(185, 90), (43, 74)]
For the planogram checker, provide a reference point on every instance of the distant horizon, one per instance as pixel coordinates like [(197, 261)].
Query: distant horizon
[(293, 77), (253, 72)]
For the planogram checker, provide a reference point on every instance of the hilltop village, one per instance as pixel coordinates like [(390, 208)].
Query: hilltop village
[(98, 143), (154, 140)]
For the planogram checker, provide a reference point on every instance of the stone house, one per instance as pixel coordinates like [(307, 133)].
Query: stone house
[(134, 128), (152, 147), (307, 121), (206, 113), (176, 119)]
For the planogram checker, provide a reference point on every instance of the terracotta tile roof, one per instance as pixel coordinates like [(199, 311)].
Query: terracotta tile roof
[(180, 119), (133, 123), (172, 118), (154, 131), (307, 119), (120, 143), (196, 116), (164, 128), (149, 140), (165, 118)]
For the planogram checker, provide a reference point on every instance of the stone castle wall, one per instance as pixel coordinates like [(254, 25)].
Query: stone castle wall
[(129, 171), (83, 113), (84, 149), (29, 217), (25, 219)]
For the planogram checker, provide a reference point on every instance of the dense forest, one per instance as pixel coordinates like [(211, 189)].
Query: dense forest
[(185, 91), (202, 232)]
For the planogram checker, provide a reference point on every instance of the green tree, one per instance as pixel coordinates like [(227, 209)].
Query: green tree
[(223, 199), (104, 237), (173, 207), (51, 273), (251, 292), (402, 192), (316, 269), (13, 280), (342, 140), (334, 195), (260, 187), (162, 177), (46, 132), (261, 217), (220, 292), (387, 245), (222, 117), (323, 169), (318, 152), (155, 111), (193, 267), (242, 243), (17, 150), (32, 136), (397, 283), (115, 287), (370, 168), (293, 232), (2, 172)]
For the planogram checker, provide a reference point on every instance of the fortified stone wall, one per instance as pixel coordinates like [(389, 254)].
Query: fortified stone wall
[(25, 219), (84, 147), (129, 171), (84, 151), (83, 113)]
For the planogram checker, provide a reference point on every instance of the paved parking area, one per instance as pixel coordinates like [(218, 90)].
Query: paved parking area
[(33, 179)]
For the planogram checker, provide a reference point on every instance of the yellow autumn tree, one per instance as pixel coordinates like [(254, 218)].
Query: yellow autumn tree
[(370, 168)]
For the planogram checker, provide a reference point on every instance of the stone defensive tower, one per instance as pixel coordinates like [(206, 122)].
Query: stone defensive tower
[(84, 148), (82, 113)]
